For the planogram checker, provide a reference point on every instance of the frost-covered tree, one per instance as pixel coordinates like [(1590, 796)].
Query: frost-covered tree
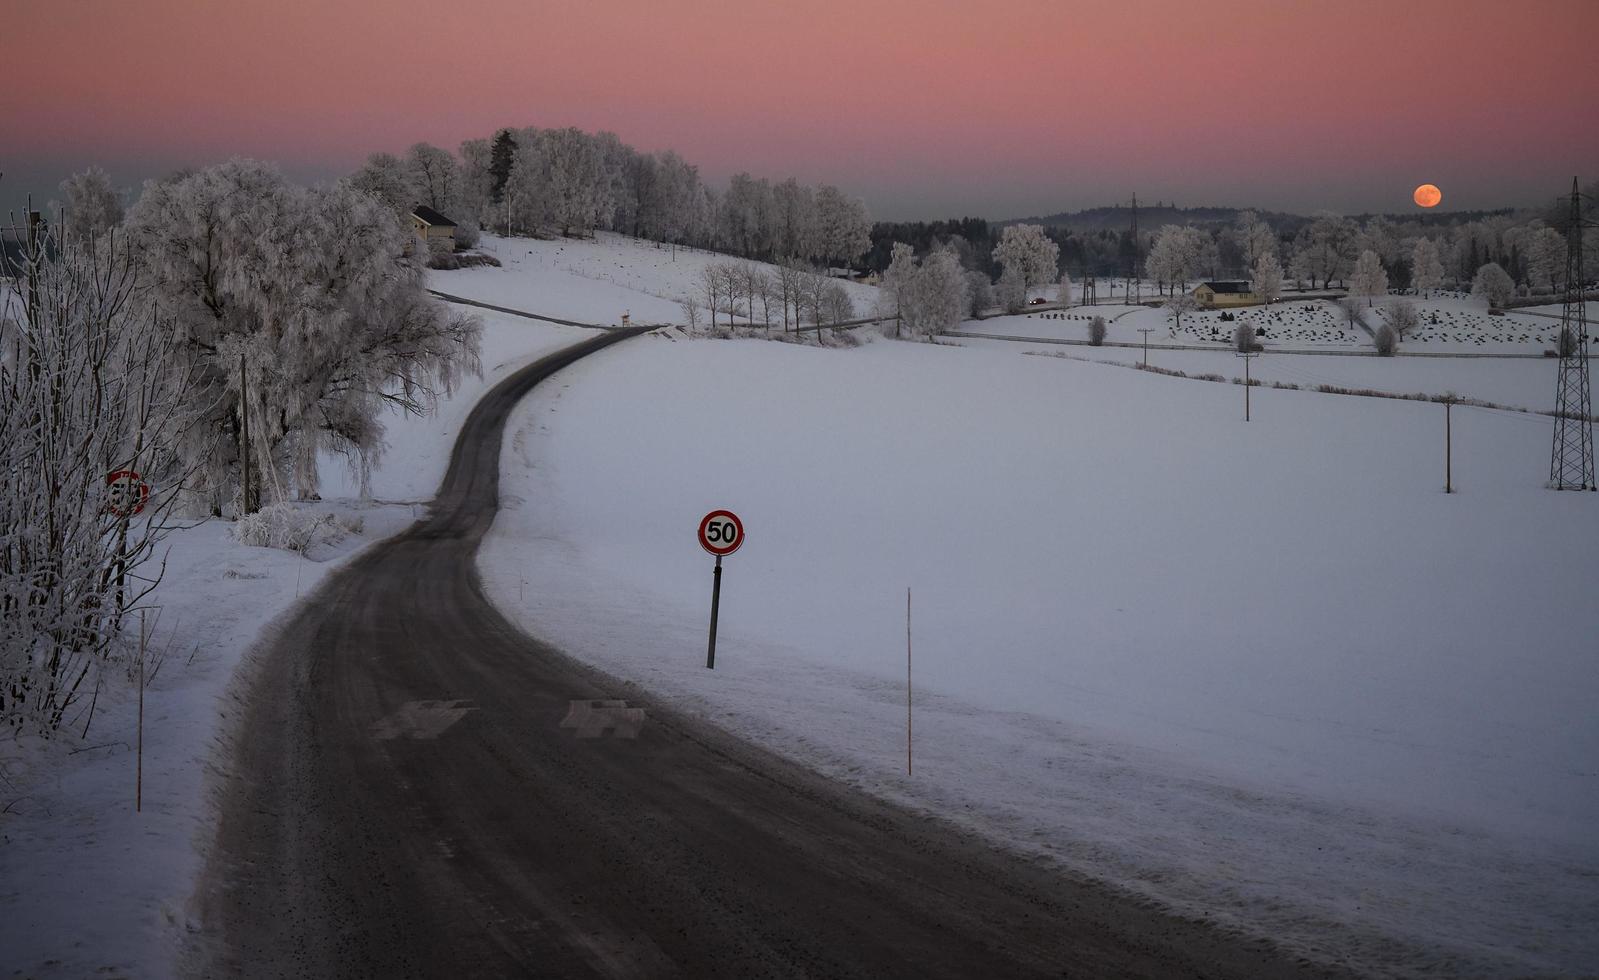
[(1063, 292), (1378, 236), (979, 292), (1546, 258), (1402, 317), (796, 232), (843, 226), (1369, 280), (1012, 289), (1179, 306), (386, 177), (436, 177), (836, 305), (1268, 278), (1426, 270), (1255, 238), (1324, 249), (302, 321), (1029, 251), (1096, 331), (937, 294), (1178, 254), (90, 385), (1386, 340), (1493, 285), (92, 207), (691, 312), (898, 280), (476, 183)]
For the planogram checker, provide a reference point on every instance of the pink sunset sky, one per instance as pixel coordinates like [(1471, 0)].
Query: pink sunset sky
[(925, 108)]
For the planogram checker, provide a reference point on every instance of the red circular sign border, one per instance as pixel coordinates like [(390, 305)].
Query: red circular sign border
[(706, 520), (144, 492)]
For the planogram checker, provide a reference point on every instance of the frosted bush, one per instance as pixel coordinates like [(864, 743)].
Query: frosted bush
[(279, 526)]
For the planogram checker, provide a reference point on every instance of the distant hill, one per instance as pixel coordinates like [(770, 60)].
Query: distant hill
[(1118, 217)]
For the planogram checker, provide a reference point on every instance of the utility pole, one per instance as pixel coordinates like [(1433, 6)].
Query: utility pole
[(1146, 332), (1571, 464), (1247, 356)]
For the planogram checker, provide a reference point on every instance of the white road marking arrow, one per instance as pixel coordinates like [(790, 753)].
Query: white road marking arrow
[(594, 719), (421, 719)]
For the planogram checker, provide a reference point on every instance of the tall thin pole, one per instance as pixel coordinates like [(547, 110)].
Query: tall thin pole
[(1146, 331), (244, 437), (1247, 358), (1449, 448), (138, 778), (907, 681), (716, 598)]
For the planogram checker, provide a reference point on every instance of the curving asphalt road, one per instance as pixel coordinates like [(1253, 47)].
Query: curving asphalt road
[(412, 792)]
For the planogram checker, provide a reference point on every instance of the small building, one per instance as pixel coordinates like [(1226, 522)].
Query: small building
[(431, 226), (1225, 293)]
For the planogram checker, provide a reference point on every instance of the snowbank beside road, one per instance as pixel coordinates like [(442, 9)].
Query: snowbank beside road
[(1266, 672)]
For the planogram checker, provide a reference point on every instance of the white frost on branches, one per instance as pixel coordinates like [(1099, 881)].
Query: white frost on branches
[(306, 296)]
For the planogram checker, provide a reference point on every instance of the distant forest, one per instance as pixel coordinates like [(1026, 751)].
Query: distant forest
[(1099, 241)]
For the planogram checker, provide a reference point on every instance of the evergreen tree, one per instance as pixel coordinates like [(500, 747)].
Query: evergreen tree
[(501, 156)]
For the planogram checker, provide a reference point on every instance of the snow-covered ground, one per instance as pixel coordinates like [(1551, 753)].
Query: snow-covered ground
[(1268, 673), (1513, 382), (88, 887), (1449, 324), (1265, 672), (595, 280)]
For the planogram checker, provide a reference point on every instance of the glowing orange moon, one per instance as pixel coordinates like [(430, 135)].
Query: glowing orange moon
[(1428, 196)]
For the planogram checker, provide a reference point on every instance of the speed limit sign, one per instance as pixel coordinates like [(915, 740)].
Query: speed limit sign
[(721, 532), (126, 493)]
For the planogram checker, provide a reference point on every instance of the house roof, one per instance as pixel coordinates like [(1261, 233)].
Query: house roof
[(428, 216), (1229, 286)]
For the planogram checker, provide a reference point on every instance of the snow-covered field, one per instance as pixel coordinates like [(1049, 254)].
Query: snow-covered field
[(1270, 671), (1265, 672)]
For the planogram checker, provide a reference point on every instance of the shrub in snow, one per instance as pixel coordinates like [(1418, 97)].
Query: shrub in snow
[(1096, 331), (1386, 340), (1012, 290), (280, 525), (1244, 339), (1402, 317)]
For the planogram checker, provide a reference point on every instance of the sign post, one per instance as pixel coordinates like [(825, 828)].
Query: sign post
[(721, 534)]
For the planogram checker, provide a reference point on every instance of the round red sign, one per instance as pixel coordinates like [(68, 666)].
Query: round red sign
[(721, 532), (126, 493)]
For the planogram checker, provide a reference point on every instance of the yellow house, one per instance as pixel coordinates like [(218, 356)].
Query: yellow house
[(430, 226), (1224, 293)]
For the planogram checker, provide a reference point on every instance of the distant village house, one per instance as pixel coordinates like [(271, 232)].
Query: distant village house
[(1224, 293), (431, 226)]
